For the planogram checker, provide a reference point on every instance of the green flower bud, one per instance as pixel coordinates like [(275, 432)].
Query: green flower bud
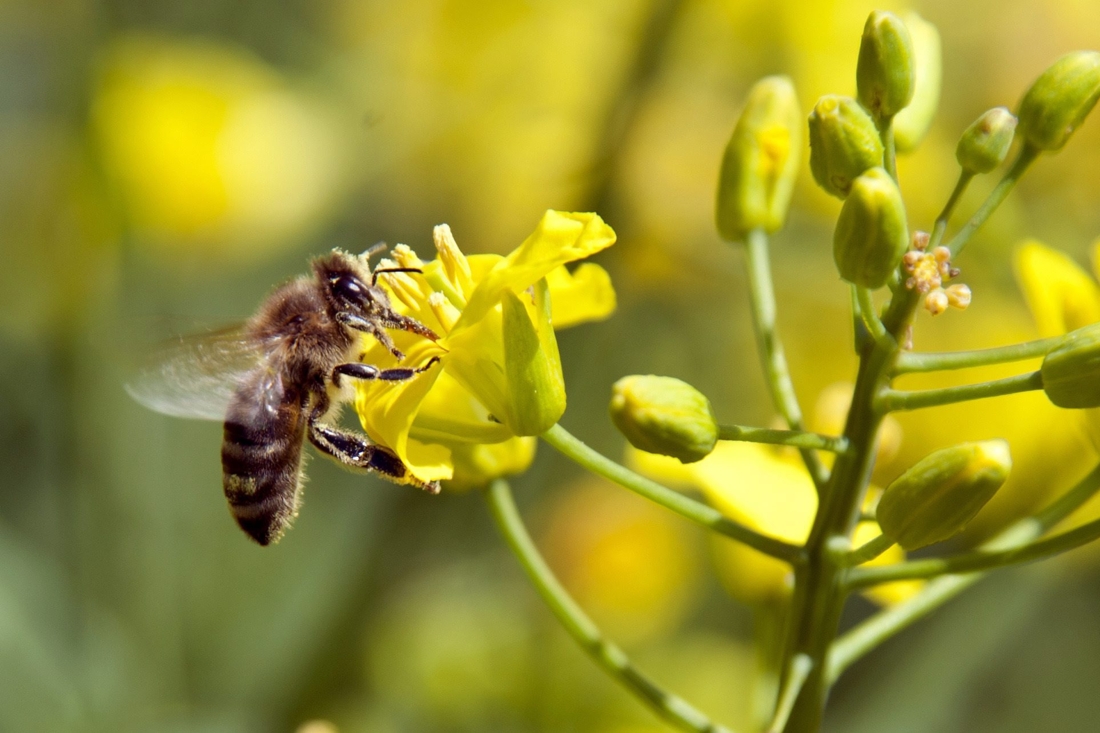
[(912, 123), (886, 70), (937, 497), (1071, 371), (664, 415), (871, 233), (761, 161), (1060, 99), (843, 143), (984, 145)]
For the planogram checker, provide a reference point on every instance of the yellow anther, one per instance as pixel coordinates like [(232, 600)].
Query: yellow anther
[(444, 310), (454, 262)]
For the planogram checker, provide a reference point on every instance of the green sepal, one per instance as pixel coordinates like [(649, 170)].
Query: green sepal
[(532, 364), (1071, 371)]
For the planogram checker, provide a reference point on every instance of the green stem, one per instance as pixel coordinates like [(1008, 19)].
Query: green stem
[(893, 400), (909, 362), (949, 208), (889, 151), (605, 653), (793, 438), (869, 313), (796, 677), (776, 371), (867, 552), (866, 636), (979, 560), (1027, 156), (698, 512)]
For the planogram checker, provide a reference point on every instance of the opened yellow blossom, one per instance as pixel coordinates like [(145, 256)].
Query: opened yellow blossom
[(499, 379)]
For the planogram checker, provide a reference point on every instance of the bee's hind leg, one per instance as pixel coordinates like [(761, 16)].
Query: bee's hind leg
[(356, 370), (356, 451)]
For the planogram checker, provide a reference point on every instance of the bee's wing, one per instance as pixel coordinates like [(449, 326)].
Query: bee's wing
[(197, 376)]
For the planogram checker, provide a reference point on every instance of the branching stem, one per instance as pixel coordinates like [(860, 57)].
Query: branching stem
[(698, 512), (893, 400), (776, 371), (1027, 156), (910, 362), (793, 438)]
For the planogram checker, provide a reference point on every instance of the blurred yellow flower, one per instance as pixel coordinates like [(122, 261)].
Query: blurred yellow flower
[(627, 562), (769, 490), (1062, 298), (209, 148), (501, 378)]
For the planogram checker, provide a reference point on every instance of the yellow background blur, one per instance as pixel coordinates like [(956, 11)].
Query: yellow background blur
[(163, 164)]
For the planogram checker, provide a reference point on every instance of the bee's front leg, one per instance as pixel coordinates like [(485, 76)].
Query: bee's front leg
[(356, 370), (366, 325), (356, 451)]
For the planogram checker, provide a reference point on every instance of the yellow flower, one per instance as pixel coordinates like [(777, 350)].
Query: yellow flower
[(500, 378), (208, 147), (769, 490), (1062, 298)]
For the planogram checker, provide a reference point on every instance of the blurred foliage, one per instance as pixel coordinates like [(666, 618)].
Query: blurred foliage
[(166, 163)]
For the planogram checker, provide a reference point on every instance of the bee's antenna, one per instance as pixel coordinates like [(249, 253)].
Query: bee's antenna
[(374, 276)]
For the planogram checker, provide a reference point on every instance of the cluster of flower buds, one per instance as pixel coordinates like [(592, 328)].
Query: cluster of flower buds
[(664, 415), (928, 271)]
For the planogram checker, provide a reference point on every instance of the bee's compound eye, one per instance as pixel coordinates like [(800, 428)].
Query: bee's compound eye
[(349, 287)]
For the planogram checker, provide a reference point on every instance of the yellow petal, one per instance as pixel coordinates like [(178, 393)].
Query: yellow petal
[(584, 295), (559, 238), (1061, 295), (387, 409), (477, 465), (449, 414)]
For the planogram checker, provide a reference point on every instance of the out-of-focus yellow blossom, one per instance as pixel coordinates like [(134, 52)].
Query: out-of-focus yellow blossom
[(769, 490), (499, 377), (1062, 297), (209, 147), (628, 563)]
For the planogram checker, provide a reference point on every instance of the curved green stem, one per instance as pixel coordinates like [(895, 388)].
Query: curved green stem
[(709, 517), (793, 438), (949, 208), (910, 362), (866, 636), (869, 313), (614, 661), (867, 552), (1027, 156), (889, 150), (776, 371), (799, 669), (892, 400)]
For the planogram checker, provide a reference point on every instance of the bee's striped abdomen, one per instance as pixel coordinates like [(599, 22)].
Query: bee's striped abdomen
[(261, 464)]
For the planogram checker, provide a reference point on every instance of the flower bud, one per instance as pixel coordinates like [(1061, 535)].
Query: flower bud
[(912, 123), (871, 233), (984, 145), (1060, 99), (1071, 371), (843, 143), (761, 161), (665, 416), (937, 497), (886, 69)]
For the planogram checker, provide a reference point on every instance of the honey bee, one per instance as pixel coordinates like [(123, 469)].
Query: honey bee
[(281, 378)]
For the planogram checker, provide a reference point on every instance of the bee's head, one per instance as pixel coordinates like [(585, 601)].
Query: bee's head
[(347, 284)]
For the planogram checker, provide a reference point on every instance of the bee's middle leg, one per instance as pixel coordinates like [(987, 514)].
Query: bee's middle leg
[(356, 451), (356, 370)]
